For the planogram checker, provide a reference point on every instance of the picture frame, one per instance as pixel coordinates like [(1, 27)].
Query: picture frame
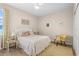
[(25, 22)]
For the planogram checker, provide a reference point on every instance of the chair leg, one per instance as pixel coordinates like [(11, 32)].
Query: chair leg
[(57, 44), (54, 40), (61, 42), (64, 43)]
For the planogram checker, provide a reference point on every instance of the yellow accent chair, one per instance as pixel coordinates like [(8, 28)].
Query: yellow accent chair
[(60, 39)]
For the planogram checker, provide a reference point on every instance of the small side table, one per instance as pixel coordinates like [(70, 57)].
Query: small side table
[(12, 42)]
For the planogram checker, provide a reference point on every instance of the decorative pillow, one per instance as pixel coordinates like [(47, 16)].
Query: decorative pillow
[(25, 33), (35, 33), (31, 33)]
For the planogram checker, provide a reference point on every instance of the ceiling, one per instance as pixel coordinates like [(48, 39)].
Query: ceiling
[(44, 9)]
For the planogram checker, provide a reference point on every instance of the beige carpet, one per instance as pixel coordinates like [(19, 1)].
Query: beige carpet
[(52, 50), (59, 50)]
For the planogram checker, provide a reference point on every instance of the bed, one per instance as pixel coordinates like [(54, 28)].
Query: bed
[(33, 44)]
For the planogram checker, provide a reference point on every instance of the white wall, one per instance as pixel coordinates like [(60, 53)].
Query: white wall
[(76, 32), (60, 23), (16, 16)]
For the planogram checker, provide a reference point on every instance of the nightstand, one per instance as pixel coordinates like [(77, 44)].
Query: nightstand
[(12, 42)]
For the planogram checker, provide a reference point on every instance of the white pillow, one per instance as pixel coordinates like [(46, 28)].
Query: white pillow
[(20, 31)]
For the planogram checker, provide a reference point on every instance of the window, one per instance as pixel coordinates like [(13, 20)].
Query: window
[(1, 20)]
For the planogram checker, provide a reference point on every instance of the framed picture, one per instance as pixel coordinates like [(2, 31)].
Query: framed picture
[(25, 22)]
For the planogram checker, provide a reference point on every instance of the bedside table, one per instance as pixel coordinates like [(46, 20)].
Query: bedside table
[(12, 42)]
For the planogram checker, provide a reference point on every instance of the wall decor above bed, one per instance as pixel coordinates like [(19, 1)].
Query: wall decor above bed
[(25, 22)]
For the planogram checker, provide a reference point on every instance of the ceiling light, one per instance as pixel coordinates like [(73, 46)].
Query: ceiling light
[(36, 7)]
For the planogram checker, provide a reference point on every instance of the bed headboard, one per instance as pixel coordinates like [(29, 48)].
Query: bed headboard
[(19, 31)]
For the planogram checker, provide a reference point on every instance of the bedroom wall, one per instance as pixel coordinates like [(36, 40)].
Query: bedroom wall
[(16, 16), (59, 23)]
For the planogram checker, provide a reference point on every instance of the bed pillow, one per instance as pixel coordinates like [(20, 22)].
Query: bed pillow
[(31, 33), (25, 33)]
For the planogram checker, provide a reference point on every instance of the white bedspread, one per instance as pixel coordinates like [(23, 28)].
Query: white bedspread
[(34, 44)]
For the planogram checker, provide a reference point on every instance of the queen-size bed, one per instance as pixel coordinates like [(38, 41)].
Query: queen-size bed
[(33, 44)]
